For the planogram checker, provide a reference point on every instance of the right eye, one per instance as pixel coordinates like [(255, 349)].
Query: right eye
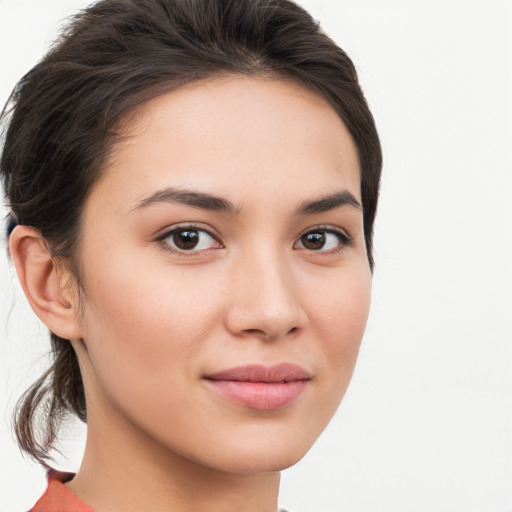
[(189, 239)]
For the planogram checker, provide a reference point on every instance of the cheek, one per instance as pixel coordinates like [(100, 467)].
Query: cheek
[(340, 306), (148, 317), (338, 314)]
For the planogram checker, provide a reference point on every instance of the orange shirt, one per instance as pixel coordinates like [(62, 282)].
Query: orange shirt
[(58, 498)]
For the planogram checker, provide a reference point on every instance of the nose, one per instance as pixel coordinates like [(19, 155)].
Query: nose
[(265, 300)]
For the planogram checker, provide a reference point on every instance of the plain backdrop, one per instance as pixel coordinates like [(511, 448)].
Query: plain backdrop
[(426, 425)]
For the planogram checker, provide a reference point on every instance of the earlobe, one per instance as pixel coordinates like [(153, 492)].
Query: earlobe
[(43, 283)]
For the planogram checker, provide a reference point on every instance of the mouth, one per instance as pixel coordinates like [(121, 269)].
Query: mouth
[(260, 387)]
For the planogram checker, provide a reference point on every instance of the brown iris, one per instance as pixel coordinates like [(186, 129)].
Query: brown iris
[(185, 239), (313, 241)]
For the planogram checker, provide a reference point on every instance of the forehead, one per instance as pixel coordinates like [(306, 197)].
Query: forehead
[(235, 135)]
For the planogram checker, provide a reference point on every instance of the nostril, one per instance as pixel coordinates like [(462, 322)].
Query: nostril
[(255, 331), (268, 335)]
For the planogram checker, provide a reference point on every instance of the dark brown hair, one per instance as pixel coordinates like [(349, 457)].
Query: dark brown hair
[(60, 126)]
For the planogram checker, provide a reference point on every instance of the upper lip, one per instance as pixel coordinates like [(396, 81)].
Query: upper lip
[(284, 372)]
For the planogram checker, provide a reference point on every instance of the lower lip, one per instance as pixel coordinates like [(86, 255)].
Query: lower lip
[(259, 395)]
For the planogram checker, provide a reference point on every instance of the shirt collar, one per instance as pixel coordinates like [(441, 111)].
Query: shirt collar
[(57, 497)]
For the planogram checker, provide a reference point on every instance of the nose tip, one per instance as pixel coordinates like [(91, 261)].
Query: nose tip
[(263, 322), (265, 304)]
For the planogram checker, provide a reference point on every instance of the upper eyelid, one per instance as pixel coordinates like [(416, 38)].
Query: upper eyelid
[(161, 234), (165, 232), (328, 228)]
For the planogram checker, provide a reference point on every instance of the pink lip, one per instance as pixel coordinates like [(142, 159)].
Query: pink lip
[(261, 387)]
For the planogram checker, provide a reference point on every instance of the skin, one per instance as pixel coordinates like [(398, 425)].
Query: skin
[(154, 321)]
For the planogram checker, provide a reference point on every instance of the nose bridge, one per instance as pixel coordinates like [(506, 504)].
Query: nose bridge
[(266, 299)]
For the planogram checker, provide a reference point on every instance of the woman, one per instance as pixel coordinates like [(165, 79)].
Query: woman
[(193, 186)]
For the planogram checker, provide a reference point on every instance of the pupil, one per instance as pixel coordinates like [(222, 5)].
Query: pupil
[(313, 240), (186, 239)]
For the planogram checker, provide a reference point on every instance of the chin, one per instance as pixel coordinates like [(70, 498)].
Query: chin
[(251, 463), (264, 455)]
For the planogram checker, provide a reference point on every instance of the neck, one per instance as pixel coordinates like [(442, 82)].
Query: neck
[(124, 470)]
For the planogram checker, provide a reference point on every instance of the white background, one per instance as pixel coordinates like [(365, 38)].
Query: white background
[(427, 423)]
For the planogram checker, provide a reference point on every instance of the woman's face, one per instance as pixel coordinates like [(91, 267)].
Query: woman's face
[(226, 280)]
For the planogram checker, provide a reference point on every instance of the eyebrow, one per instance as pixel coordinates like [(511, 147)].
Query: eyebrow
[(328, 203), (190, 198), (214, 203)]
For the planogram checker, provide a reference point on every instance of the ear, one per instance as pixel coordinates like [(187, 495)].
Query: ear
[(44, 283)]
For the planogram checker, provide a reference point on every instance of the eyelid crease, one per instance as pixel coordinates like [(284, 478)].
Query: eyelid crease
[(327, 228), (163, 233)]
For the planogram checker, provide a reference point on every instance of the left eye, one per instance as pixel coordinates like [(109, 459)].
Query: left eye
[(322, 240), (189, 239)]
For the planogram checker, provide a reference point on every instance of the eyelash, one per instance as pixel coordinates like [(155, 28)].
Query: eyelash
[(186, 227), (345, 240)]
